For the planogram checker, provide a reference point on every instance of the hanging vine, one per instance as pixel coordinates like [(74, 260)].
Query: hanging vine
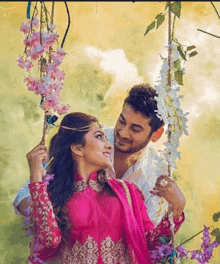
[(169, 110), (40, 53)]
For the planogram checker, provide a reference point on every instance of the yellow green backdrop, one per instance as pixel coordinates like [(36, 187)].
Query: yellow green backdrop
[(107, 54)]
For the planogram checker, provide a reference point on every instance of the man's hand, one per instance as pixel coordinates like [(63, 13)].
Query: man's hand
[(171, 193), (36, 157), (23, 205)]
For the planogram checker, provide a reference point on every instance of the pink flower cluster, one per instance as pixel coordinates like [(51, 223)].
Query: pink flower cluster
[(38, 47)]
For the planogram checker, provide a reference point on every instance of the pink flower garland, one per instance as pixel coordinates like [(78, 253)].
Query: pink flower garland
[(39, 48)]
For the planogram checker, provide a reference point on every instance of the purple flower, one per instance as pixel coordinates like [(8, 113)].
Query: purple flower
[(29, 233), (182, 252), (37, 243), (48, 177), (28, 199), (35, 258), (195, 254), (160, 252), (27, 221), (214, 244), (206, 237), (165, 250), (207, 253), (154, 256), (27, 210)]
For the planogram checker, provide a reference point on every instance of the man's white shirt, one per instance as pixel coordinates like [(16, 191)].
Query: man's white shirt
[(144, 173)]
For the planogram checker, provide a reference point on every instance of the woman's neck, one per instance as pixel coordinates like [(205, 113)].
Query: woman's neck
[(85, 171)]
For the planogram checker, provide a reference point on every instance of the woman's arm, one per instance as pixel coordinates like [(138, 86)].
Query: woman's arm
[(42, 214), (45, 224)]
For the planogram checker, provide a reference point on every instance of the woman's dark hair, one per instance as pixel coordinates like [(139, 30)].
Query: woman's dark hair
[(63, 166), (142, 99)]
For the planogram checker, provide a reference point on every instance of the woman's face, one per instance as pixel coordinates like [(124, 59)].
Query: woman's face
[(97, 150)]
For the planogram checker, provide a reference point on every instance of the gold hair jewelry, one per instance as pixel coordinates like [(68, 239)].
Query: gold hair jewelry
[(85, 128)]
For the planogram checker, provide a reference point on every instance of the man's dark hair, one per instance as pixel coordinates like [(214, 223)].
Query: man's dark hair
[(142, 99)]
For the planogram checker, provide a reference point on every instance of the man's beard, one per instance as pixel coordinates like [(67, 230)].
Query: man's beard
[(133, 150)]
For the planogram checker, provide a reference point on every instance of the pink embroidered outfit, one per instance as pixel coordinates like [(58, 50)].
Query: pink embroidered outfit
[(109, 224)]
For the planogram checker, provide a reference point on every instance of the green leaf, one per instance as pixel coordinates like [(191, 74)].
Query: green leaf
[(163, 260), (160, 18), (176, 8), (193, 54), (166, 6), (218, 239), (216, 217), (150, 27), (99, 97), (177, 65), (164, 239), (182, 54), (158, 15), (179, 77), (191, 47), (215, 232)]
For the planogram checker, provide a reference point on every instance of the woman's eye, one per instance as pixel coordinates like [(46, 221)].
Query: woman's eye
[(121, 121), (99, 136)]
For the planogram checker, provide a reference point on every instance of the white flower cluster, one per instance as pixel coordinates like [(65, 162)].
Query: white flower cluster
[(169, 110)]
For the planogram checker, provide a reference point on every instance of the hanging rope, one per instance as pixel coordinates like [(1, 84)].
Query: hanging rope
[(68, 13), (169, 84), (45, 125)]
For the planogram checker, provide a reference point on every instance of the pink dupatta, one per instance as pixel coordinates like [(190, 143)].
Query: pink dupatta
[(133, 223)]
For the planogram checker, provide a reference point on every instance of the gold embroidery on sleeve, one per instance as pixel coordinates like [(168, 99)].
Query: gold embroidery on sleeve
[(42, 199)]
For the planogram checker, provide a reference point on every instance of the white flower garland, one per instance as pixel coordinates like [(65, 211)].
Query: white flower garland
[(168, 103), (169, 110)]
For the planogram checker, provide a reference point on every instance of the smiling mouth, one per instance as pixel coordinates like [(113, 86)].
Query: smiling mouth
[(106, 154)]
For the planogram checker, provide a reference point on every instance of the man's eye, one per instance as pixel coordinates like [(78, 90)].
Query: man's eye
[(135, 130), (121, 121)]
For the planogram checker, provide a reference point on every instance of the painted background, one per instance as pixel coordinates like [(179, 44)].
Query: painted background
[(107, 54)]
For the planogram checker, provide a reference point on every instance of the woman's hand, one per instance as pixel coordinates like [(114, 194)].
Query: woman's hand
[(36, 157), (171, 193)]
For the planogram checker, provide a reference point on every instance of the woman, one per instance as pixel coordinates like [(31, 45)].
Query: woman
[(85, 215)]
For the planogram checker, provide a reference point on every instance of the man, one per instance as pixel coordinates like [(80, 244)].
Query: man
[(133, 159)]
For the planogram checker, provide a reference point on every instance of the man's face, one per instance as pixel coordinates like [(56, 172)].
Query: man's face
[(132, 131)]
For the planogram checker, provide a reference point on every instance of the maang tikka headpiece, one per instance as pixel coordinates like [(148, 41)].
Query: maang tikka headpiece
[(84, 128)]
